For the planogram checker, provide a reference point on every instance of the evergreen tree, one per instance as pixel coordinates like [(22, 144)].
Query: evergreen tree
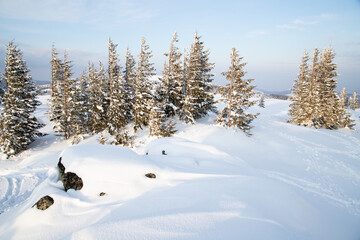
[(300, 107), (68, 116), (199, 99), (172, 80), (120, 105), (354, 102), (129, 75), (99, 97), (237, 95), (315, 102), (344, 98), (81, 105), (159, 124), (19, 127), (262, 101), (56, 86), (143, 87)]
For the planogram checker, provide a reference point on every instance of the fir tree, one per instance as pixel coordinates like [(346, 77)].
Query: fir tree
[(129, 74), (354, 102), (315, 102), (172, 80), (199, 99), (159, 124), (119, 108), (300, 107), (19, 127), (68, 116), (344, 98), (81, 105), (143, 87), (56, 86), (237, 95), (262, 101), (99, 97)]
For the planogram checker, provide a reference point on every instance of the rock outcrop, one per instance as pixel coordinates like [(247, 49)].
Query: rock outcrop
[(70, 180)]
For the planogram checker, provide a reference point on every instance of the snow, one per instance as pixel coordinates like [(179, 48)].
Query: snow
[(284, 182)]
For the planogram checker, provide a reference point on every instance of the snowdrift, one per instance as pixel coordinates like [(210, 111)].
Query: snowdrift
[(284, 182)]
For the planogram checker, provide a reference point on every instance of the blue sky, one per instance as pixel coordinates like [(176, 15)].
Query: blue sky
[(271, 35)]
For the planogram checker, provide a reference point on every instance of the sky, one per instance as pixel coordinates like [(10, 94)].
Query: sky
[(271, 36)]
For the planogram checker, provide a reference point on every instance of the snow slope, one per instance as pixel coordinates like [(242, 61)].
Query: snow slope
[(284, 182)]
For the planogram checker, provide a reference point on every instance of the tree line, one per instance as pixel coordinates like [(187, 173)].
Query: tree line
[(117, 99), (314, 99), (120, 100)]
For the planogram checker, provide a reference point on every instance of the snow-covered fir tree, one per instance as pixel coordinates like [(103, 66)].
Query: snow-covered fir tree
[(129, 73), (237, 95), (159, 123), (172, 80), (81, 105), (262, 101), (315, 102), (19, 127), (99, 97), (68, 117), (354, 102), (344, 98), (300, 107), (120, 106), (56, 86), (143, 86), (199, 99)]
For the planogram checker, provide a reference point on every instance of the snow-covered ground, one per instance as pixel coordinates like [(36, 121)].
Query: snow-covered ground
[(284, 182)]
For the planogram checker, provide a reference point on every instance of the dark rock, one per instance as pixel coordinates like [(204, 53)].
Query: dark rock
[(150, 175), (70, 180), (44, 202), (102, 194), (163, 152)]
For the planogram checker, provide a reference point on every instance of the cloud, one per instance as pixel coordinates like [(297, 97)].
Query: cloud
[(301, 22), (79, 11), (287, 26)]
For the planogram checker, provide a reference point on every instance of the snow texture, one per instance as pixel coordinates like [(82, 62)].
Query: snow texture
[(284, 182)]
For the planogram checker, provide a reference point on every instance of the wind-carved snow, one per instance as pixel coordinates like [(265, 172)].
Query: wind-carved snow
[(284, 182)]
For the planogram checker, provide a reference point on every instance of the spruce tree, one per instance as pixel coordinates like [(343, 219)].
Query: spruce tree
[(262, 101), (301, 105), (354, 102), (237, 95), (172, 80), (19, 127), (99, 97), (129, 75), (143, 87), (56, 86), (81, 105), (119, 108), (159, 124), (199, 99), (344, 98), (68, 116), (315, 102)]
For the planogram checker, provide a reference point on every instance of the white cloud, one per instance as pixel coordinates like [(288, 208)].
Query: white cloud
[(301, 22), (287, 26)]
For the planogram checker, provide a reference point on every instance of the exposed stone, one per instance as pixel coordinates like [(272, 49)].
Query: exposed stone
[(44, 202), (70, 180), (163, 152), (102, 194), (150, 175)]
